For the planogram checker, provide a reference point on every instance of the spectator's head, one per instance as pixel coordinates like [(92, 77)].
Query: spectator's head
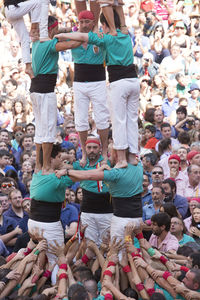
[(181, 113), (195, 260), (56, 157), (7, 184), (26, 204), (69, 128), (149, 115), (174, 162), (3, 146), (171, 92), (18, 133), (158, 116), (183, 102), (150, 18), (145, 182), (15, 198), (150, 131), (159, 31), (193, 175), (26, 142), (149, 160), (193, 203), (157, 101), (93, 148), (4, 158), (175, 51), (14, 48), (184, 138), (160, 223), (4, 201), (196, 216), (157, 175), (177, 227), (166, 130), (158, 195), (4, 136), (182, 153), (73, 138), (147, 59), (30, 129), (182, 79), (129, 292), (194, 90), (192, 279), (193, 158), (194, 136), (79, 195), (27, 167), (170, 209), (86, 21), (67, 195), (169, 187), (165, 145)]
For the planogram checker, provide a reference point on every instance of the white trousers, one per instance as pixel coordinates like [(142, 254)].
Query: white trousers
[(52, 231), (84, 92), (123, 99), (45, 112), (98, 224), (15, 15), (44, 19), (118, 225)]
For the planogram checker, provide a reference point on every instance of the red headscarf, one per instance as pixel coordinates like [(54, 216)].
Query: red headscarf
[(86, 14), (174, 156)]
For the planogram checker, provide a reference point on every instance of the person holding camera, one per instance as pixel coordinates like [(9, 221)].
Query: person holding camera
[(149, 67)]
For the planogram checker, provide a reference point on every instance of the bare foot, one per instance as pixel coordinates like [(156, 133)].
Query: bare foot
[(44, 39), (124, 29), (46, 171), (83, 161), (29, 71), (121, 164), (113, 32)]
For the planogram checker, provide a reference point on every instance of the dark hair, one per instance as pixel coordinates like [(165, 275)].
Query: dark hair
[(149, 115), (29, 124), (195, 259), (159, 187), (116, 20), (185, 250), (13, 174), (77, 291), (151, 128), (84, 273), (156, 27), (14, 82), (170, 209), (184, 138), (4, 153), (182, 109), (164, 145), (161, 219), (151, 157), (25, 136), (171, 183), (164, 125), (193, 221), (196, 273), (157, 296), (51, 20), (129, 292)]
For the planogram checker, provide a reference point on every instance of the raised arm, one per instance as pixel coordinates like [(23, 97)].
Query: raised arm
[(75, 36)]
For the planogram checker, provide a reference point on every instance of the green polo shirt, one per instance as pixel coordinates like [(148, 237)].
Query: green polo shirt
[(89, 185), (119, 50), (125, 182), (92, 55), (45, 57), (49, 188)]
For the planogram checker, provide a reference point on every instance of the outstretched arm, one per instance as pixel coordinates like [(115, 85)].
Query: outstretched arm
[(76, 175), (61, 46), (75, 36)]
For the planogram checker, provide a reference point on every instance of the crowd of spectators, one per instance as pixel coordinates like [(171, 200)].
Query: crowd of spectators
[(160, 259)]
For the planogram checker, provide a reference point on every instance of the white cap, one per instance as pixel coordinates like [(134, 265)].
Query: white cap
[(156, 100)]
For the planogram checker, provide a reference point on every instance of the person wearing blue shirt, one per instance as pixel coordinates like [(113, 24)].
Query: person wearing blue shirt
[(150, 209), (15, 211), (171, 103), (69, 220), (146, 194)]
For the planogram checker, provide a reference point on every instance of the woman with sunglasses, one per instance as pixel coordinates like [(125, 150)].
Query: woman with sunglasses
[(158, 44)]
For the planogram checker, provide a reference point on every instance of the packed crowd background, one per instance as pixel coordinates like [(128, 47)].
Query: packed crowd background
[(166, 45)]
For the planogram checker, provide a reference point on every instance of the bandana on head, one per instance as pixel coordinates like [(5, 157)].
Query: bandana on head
[(86, 14), (92, 141), (72, 134), (53, 25), (174, 156), (191, 154), (194, 199)]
